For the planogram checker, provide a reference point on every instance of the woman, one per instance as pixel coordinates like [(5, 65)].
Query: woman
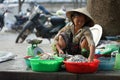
[(76, 35)]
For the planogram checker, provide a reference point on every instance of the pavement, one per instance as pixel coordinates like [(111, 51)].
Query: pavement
[(7, 40), (16, 69)]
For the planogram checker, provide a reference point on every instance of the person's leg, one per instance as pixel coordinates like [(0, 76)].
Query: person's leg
[(64, 41), (84, 48), (84, 44), (61, 42)]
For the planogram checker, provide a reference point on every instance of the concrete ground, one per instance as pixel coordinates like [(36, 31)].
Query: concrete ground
[(7, 40), (16, 69)]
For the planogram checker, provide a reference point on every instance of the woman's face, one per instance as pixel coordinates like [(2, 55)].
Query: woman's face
[(79, 20)]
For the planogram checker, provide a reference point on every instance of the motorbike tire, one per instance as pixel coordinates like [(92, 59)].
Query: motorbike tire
[(27, 29)]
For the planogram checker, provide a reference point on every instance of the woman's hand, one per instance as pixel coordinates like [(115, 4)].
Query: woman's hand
[(60, 51), (90, 59), (91, 55)]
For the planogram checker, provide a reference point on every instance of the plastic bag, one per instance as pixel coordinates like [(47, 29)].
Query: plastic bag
[(109, 48), (4, 56)]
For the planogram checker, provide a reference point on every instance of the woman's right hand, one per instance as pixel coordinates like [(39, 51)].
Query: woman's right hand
[(61, 51)]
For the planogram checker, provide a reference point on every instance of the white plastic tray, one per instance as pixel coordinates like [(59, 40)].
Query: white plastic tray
[(97, 33)]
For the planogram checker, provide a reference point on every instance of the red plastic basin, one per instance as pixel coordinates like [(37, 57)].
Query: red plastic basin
[(82, 67)]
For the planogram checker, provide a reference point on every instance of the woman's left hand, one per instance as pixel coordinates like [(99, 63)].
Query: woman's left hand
[(90, 59)]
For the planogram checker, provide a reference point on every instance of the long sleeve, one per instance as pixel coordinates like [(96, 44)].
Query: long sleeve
[(89, 37)]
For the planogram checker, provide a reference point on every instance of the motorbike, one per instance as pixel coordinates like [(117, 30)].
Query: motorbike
[(20, 21), (44, 31), (44, 10), (11, 21)]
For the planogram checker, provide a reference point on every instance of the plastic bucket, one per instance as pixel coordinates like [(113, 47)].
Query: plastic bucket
[(117, 61)]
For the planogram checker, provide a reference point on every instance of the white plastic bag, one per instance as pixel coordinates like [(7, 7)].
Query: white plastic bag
[(4, 56)]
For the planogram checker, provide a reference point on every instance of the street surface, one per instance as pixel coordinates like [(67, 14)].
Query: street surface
[(7, 43)]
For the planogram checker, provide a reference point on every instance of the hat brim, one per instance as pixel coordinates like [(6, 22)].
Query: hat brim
[(89, 21)]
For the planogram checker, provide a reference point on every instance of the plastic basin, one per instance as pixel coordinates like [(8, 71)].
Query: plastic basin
[(106, 63), (82, 67), (46, 65)]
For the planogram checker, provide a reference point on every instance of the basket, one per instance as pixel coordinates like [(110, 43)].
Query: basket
[(82, 67), (46, 65), (106, 63)]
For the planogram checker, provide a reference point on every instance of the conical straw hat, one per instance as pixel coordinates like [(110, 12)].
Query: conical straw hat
[(83, 11)]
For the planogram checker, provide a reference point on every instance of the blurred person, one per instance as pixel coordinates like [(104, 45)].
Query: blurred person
[(9, 20), (76, 36)]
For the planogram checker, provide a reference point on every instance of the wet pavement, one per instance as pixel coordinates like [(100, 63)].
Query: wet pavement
[(16, 69)]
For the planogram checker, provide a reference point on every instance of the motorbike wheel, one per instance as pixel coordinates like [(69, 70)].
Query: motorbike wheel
[(27, 29)]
